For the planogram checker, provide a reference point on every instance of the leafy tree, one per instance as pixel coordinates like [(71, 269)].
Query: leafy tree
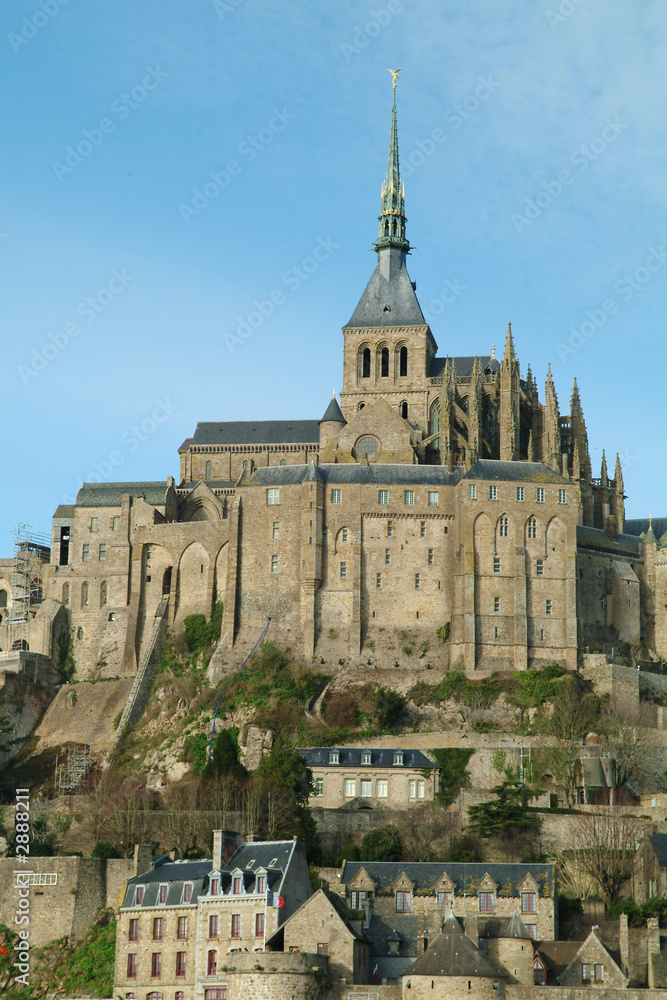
[(285, 765), (575, 713), (506, 815), (389, 706), (224, 760), (382, 844), (104, 849), (453, 774)]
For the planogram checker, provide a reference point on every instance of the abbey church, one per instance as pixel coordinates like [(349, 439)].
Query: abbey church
[(439, 509)]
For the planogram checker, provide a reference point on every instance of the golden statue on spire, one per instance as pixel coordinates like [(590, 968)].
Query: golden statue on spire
[(394, 76)]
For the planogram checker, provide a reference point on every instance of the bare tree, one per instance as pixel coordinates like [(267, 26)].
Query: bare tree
[(602, 854), (573, 716), (628, 739), (180, 818), (428, 832)]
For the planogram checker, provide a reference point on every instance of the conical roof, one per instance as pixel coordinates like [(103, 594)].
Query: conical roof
[(333, 412), (516, 927), (454, 954)]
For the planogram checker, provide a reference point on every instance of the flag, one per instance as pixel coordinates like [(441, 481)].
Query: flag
[(375, 972), (3, 950), (274, 899)]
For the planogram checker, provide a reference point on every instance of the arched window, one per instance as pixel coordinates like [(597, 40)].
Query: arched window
[(166, 582), (84, 594), (503, 524), (368, 445), (404, 410), (36, 595), (3, 598), (361, 406), (155, 996), (283, 461), (208, 471), (65, 593), (21, 645), (366, 363), (384, 362), (104, 593), (212, 963), (403, 361), (79, 633), (532, 527)]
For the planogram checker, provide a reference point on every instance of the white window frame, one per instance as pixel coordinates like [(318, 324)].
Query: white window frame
[(319, 786), (365, 788), (349, 788), (433, 498), (520, 494), (273, 496), (274, 564), (409, 498), (496, 564), (562, 496), (382, 788), (383, 497), (336, 496), (472, 491), (493, 492), (540, 494), (343, 570)]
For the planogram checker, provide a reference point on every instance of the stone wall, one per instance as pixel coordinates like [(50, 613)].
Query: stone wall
[(454, 987), (25, 696), (276, 976)]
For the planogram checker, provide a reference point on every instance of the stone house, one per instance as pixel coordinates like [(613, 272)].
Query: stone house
[(405, 903), (369, 779), (650, 881), (577, 964), (181, 920)]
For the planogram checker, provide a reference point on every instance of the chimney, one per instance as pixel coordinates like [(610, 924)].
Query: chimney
[(217, 850), (143, 856), (624, 942), (175, 854), (653, 946)]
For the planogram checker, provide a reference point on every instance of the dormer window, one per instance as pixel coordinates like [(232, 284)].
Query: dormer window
[(187, 892), (215, 883), (236, 886), (261, 884), (272, 862), (162, 894), (366, 757), (138, 895), (334, 757), (398, 757), (393, 946)]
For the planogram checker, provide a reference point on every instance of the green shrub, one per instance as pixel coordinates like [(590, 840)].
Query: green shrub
[(104, 849), (389, 706), (452, 762), (382, 844)]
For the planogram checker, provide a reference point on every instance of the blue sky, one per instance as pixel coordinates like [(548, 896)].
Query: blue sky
[(170, 163)]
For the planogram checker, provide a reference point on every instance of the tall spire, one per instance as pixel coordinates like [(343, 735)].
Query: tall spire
[(392, 208)]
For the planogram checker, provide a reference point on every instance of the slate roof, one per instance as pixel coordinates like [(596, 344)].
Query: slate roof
[(383, 475), (405, 926), (557, 955), (65, 510), (339, 906), (639, 526), (333, 412), (396, 291), (596, 538), (658, 842), (214, 484), (464, 365), (351, 757), (454, 954), (503, 927), (466, 876), (258, 432), (110, 494), (520, 472)]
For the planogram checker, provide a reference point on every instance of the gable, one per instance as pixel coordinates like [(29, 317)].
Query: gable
[(486, 884), (403, 883), (528, 884), (362, 881), (380, 421)]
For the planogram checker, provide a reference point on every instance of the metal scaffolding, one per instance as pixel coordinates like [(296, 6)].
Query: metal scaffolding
[(26, 587), (76, 768)]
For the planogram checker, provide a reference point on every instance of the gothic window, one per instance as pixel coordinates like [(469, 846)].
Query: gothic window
[(532, 527), (366, 363), (403, 362), (503, 525), (84, 594), (489, 422), (384, 362), (208, 472), (3, 598), (464, 404), (104, 593), (404, 410)]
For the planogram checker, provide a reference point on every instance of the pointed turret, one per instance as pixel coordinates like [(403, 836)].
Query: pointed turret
[(618, 475), (618, 496), (509, 345), (604, 477), (392, 208), (509, 402), (649, 537), (551, 443)]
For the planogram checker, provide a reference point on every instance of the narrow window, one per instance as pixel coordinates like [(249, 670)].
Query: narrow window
[(156, 964), (214, 886), (65, 595), (138, 895), (344, 534), (430, 557), (390, 529), (562, 496), (422, 529), (336, 496), (104, 593), (133, 932), (180, 963), (433, 498), (404, 410), (213, 925), (412, 788), (540, 494), (182, 929), (212, 963), (343, 570), (115, 524), (132, 966), (496, 564), (532, 527), (208, 470), (417, 581), (420, 789), (548, 609), (94, 523), (350, 788), (585, 973), (236, 886), (409, 498), (403, 362), (274, 564), (384, 362), (539, 567), (378, 581), (157, 928), (273, 496), (472, 491), (495, 632), (496, 604), (381, 788), (261, 879), (259, 925), (383, 497), (84, 594), (276, 530), (85, 553), (504, 527), (598, 973), (493, 492), (102, 554), (236, 925), (519, 493), (365, 788), (541, 635), (162, 895), (319, 789), (366, 363)]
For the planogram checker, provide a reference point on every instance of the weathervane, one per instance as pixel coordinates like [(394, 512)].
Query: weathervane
[(394, 76)]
